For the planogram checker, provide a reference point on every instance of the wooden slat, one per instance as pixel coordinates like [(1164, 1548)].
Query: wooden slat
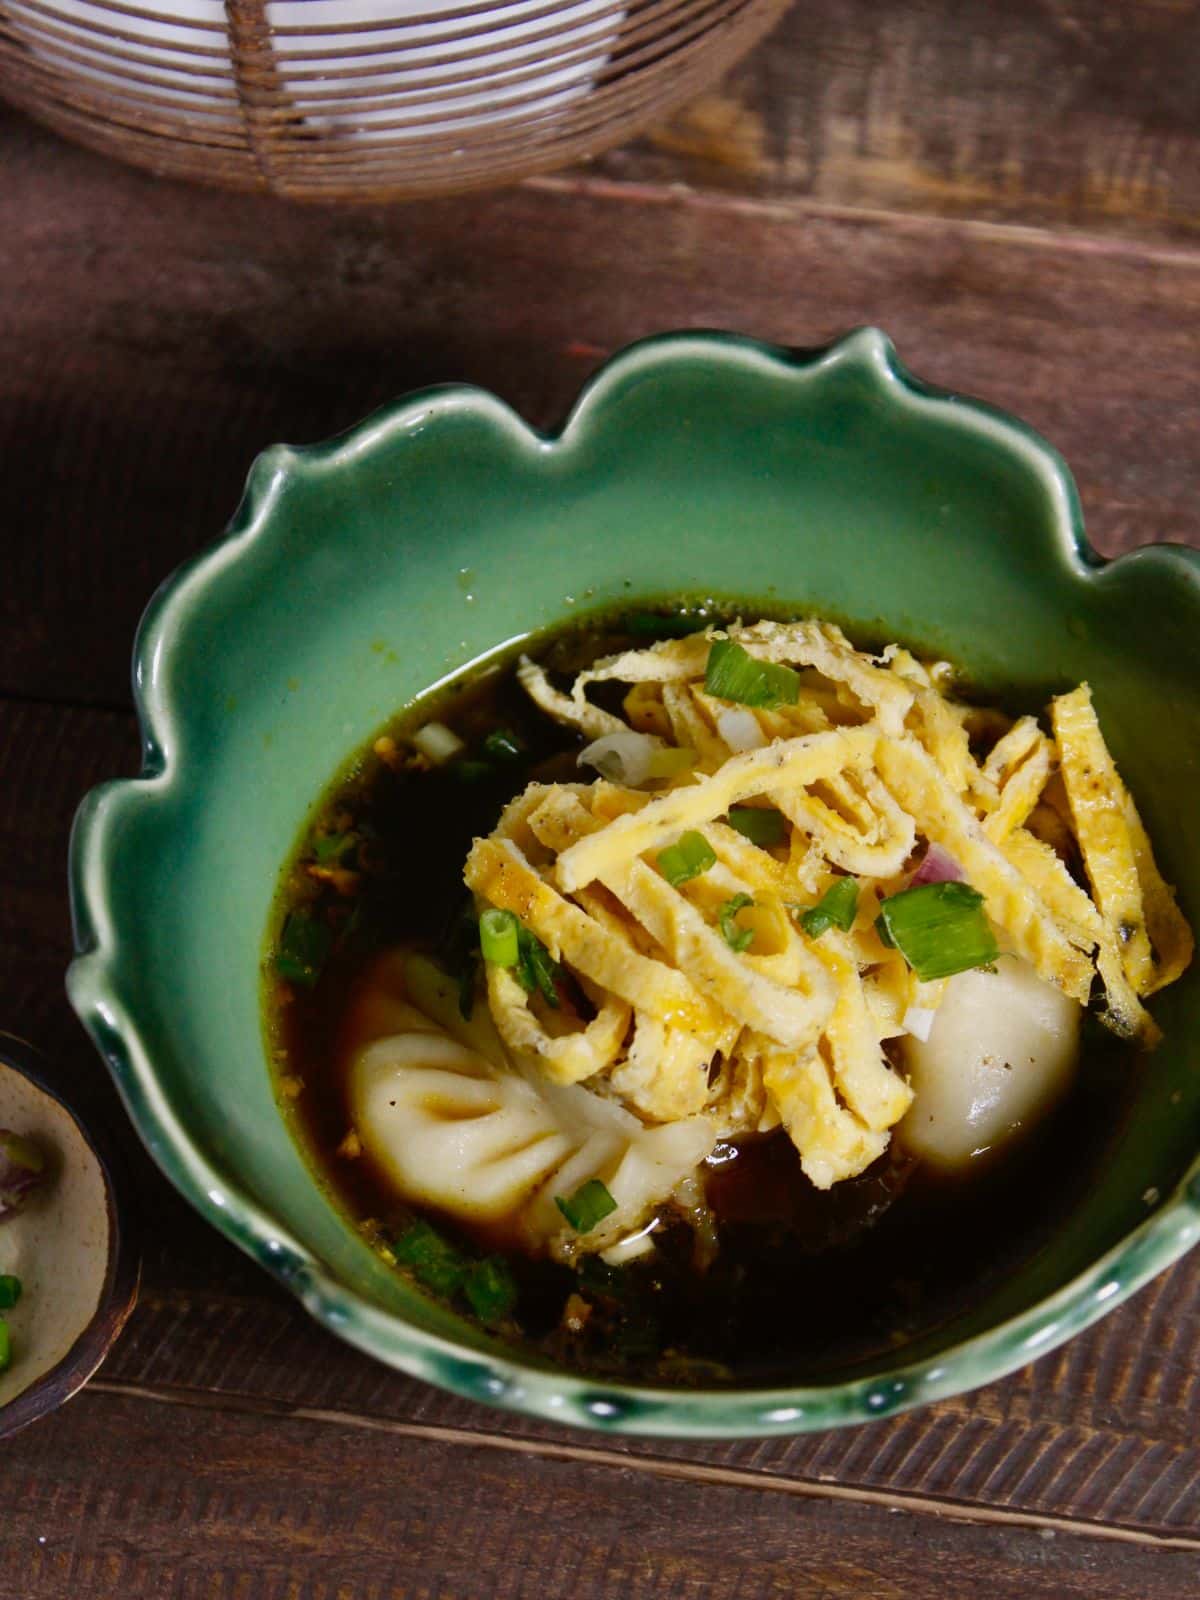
[(187, 329), (1083, 115), (244, 1507), (1103, 1431)]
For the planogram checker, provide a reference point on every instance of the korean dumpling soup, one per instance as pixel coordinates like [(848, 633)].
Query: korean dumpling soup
[(661, 997)]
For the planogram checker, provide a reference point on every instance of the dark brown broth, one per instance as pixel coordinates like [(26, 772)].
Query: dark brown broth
[(806, 1284)]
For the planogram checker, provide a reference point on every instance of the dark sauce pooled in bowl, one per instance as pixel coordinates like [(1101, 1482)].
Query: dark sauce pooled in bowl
[(805, 1284)]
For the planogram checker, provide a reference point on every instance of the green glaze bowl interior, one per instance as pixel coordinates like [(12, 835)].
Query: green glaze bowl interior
[(360, 572)]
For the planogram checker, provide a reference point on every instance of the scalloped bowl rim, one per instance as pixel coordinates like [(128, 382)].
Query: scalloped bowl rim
[(554, 1395)]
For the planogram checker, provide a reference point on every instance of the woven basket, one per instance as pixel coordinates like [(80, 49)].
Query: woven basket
[(363, 99)]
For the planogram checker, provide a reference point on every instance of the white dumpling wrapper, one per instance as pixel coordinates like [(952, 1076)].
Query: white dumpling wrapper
[(1001, 1052), (451, 1130)]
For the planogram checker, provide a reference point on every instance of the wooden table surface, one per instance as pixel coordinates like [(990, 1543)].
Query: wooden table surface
[(1014, 193)]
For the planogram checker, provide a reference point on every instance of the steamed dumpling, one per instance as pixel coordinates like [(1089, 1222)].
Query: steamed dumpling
[(452, 1130), (1001, 1053)]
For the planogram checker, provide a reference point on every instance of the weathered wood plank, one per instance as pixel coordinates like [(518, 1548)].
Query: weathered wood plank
[(251, 1508), (1047, 111), (1102, 1431), (154, 337)]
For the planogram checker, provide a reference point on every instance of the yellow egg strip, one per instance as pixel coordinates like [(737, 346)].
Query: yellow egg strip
[(500, 875), (773, 772), (1021, 789), (832, 1143), (791, 1016), (1097, 799), (563, 1058), (1085, 927), (919, 785), (571, 710), (664, 1075), (1168, 928), (876, 1094)]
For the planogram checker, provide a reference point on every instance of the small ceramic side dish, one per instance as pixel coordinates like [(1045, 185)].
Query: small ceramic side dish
[(69, 1245), (359, 573)]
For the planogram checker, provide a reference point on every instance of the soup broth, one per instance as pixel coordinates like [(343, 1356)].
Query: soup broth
[(782, 1281)]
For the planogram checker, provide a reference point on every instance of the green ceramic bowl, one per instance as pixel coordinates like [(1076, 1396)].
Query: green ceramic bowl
[(360, 572)]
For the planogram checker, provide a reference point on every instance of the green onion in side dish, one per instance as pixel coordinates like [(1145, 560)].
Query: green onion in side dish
[(762, 825), (434, 1261), (687, 858), (589, 1205), (491, 1289), (736, 938), (939, 929), (836, 908), (10, 1291), (498, 937), (303, 946), (733, 674), (5, 1346)]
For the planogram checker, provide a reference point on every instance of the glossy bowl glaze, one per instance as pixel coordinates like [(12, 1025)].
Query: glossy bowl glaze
[(362, 571), (72, 1244)]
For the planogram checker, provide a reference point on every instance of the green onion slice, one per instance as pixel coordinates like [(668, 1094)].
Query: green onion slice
[(10, 1291), (503, 745), (762, 825), (736, 938), (491, 1289), (499, 937), (687, 858), (590, 1204), (5, 1346), (303, 946), (939, 929), (536, 968), (434, 1261), (836, 908), (733, 674)]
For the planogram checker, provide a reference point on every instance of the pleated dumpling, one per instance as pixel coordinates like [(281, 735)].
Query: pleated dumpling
[(454, 1131)]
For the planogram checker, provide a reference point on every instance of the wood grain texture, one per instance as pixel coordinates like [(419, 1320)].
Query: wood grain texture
[(1079, 113), (924, 164), (186, 330), (230, 1506)]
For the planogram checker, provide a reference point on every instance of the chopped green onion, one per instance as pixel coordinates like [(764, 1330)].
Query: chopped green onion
[(590, 1204), (836, 908), (5, 1346), (660, 625), (329, 848), (939, 928), (10, 1291), (734, 674), (502, 745), (498, 937), (738, 939), (686, 859), (536, 968), (434, 1261), (762, 825), (491, 1289), (303, 946)]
